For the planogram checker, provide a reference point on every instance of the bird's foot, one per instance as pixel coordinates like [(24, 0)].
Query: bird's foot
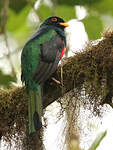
[(56, 81)]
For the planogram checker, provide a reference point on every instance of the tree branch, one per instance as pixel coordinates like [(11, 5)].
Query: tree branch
[(91, 69)]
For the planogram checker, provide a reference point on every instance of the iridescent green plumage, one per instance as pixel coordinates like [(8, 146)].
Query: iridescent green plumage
[(30, 58), (39, 59)]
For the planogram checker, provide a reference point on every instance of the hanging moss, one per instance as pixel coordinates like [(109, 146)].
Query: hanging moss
[(91, 70)]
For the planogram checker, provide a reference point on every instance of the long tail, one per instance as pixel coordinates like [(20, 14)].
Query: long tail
[(34, 111)]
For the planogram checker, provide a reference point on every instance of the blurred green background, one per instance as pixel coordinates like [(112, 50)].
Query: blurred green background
[(20, 19)]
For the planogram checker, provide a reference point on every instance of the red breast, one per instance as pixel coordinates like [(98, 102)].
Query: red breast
[(63, 50)]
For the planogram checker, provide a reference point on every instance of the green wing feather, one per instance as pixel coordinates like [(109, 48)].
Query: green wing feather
[(31, 56)]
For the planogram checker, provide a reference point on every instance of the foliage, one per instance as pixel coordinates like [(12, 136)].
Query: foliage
[(98, 140), (65, 11), (17, 23), (5, 80), (93, 26), (42, 9), (17, 6), (103, 7), (77, 2)]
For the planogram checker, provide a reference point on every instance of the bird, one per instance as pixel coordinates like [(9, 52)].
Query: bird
[(39, 60)]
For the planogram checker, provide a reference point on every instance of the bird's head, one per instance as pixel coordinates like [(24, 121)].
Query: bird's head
[(55, 21)]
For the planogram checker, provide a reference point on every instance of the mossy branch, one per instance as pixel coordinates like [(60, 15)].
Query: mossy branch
[(91, 69)]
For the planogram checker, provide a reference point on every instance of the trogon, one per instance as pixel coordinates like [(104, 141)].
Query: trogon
[(39, 60)]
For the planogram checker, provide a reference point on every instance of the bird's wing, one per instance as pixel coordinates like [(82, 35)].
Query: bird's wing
[(49, 58), (40, 57)]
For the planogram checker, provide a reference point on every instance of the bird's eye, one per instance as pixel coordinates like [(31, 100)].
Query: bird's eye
[(54, 19)]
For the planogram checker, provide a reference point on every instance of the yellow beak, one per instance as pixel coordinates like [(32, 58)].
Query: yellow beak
[(64, 24)]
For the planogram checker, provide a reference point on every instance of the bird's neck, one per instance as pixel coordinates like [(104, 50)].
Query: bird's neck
[(57, 29)]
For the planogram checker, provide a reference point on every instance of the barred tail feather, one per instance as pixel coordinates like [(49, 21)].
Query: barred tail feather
[(35, 111)]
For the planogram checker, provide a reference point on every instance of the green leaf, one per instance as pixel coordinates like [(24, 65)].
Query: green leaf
[(87, 2), (5, 80), (98, 140), (93, 26), (66, 12), (44, 12), (103, 7), (17, 5), (17, 23), (77, 2), (66, 2)]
